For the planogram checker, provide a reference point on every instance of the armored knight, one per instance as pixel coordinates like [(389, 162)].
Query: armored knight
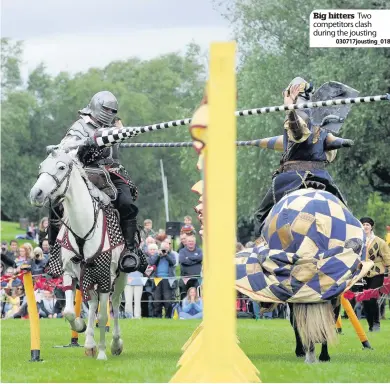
[(102, 112), (308, 144)]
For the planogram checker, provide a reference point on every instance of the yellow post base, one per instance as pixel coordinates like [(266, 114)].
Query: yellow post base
[(355, 322), (200, 369)]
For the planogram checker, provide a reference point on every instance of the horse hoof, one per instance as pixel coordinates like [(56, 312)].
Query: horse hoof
[(324, 359), (81, 327), (90, 352), (300, 354), (102, 356), (117, 347)]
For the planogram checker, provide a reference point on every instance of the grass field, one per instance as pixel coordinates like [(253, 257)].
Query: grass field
[(10, 229), (152, 349)]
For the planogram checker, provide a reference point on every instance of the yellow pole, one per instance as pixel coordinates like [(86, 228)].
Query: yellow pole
[(77, 309), (339, 325), (217, 358), (32, 315), (355, 322)]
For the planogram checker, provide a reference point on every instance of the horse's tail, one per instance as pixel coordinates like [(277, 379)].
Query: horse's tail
[(315, 323)]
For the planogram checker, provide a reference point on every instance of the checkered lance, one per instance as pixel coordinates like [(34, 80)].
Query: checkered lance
[(110, 136), (264, 143)]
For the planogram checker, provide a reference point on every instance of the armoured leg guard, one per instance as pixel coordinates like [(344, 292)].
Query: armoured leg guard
[(132, 259)]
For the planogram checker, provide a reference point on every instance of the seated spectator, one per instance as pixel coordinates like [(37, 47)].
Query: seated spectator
[(190, 259), (31, 232), (147, 230), (43, 227), (46, 249), (24, 256), (59, 305), (192, 306), (13, 244), (12, 302), (46, 305), (38, 262), (164, 261)]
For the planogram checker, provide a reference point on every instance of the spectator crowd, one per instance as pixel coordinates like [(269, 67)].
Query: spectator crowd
[(170, 286)]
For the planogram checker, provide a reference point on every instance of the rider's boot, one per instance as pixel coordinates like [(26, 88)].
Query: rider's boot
[(132, 259), (53, 227)]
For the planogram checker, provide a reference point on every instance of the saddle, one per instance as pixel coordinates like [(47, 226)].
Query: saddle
[(100, 177)]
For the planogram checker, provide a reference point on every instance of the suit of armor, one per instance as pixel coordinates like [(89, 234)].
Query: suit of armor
[(306, 153), (101, 112)]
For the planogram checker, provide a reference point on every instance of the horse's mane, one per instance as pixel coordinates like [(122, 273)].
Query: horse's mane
[(93, 190)]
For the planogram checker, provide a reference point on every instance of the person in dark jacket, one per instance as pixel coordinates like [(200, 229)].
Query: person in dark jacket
[(165, 262), (190, 259)]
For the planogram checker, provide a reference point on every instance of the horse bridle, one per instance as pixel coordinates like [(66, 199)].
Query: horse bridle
[(79, 240)]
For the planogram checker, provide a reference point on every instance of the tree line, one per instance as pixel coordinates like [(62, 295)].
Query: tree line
[(273, 44)]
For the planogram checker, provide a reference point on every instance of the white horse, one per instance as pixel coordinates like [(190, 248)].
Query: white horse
[(91, 236)]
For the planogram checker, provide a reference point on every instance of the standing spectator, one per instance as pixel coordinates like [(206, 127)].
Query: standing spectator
[(163, 293), (38, 262), (134, 290), (190, 259), (183, 241), (169, 241), (192, 306), (43, 227), (146, 242), (161, 236), (187, 220), (46, 248), (7, 257), (147, 230), (379, 252)]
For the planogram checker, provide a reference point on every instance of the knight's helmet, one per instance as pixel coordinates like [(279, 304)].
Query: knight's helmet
[(103, 107), (305, 89)]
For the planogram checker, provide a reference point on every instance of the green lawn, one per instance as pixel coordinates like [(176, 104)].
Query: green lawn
[(9, 230), (152, 349)]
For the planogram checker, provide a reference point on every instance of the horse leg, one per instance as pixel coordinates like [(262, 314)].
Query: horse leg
[(69, 288), (103, 317), (77, 324), (299, 350), (117, 342), (311, 355), (90, 344), (324, 356)]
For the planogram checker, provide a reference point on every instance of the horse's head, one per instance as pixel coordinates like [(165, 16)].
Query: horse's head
[(53, 178)]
